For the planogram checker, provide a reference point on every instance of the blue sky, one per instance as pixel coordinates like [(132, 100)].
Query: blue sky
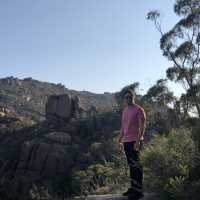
[(94, 45)]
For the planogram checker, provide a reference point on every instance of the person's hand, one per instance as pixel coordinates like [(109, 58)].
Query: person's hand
[(120, 144), (137, 145), (120, 139)]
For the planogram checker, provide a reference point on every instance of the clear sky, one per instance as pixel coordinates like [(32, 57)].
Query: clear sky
[(94, 45)]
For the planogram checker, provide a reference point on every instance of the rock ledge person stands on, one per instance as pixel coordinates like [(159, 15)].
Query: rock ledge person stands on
[(131, 135)]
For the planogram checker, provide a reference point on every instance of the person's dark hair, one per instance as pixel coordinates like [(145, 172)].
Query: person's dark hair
[(131, 92)]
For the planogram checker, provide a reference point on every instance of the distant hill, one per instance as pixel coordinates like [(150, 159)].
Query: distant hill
[(27, 97)]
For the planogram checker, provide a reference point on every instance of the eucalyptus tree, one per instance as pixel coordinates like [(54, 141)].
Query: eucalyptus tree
[(181, 46), (159, 94)]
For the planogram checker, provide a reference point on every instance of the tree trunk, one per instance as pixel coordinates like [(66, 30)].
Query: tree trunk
[(197, 104)]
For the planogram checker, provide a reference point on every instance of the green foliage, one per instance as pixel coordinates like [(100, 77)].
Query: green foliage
[(39, 193), (167, 160), (97, 176), (196, 133), (182, 7), (181, 45), (175, 187), (159, 93), (153, 15)]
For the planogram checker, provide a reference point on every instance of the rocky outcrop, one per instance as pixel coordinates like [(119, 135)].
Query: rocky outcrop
[(5, 112), (48, 153), (59, 137), (64, 107), (116, 197), (107, 197), (45, 157), (28, 97), (59, 106), (9, 120)]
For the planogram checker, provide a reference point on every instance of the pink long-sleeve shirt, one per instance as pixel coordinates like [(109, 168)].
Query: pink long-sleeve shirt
[(130, 123)]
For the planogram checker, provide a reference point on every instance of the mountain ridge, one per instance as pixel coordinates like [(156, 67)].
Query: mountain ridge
[(27, 97)]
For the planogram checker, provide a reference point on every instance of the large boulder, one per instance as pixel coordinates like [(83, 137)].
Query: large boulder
[(65, 107), (45, 156), (59, 137), (59, 106)]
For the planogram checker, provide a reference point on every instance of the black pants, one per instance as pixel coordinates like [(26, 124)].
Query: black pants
[(136, 169)]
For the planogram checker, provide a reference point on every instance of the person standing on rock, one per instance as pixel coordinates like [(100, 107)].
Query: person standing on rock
[(133, 124)]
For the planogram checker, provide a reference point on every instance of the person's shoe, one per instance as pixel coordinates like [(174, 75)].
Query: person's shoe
[(129, 191)]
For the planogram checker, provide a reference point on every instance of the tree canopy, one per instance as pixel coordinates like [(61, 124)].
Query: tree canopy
[(181, 46)]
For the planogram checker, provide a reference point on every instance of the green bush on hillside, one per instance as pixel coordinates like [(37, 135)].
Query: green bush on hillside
[(94, 177), (166, 161)]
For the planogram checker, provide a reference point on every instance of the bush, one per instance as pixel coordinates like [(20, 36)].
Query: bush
[(166, 161), (95, 177), (39, 193), (196, 133)]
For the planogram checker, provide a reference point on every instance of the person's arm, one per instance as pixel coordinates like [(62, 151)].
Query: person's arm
[(142, 124), (121, 130), (141, 127), (120, 135)]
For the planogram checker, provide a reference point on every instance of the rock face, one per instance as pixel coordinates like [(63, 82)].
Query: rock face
[(66, 107), (107, 197), (59, 137), (5, 112), (28, 97), (45, 157), (114, 197), (49, 153), (60, 106), (9, 120)]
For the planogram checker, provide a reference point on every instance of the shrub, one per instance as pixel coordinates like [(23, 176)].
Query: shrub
[(166, 161)]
